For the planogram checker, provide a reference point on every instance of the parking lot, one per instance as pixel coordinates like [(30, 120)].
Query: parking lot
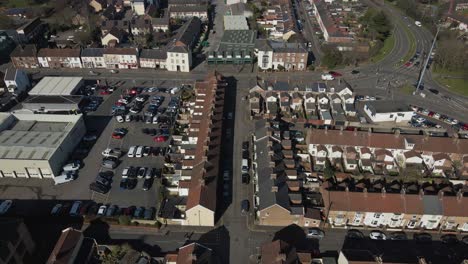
[(102, 124)]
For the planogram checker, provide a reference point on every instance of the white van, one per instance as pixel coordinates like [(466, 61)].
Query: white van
[(327, 77), (245, 166), (131, 151), (75, 210), (417, 23), (139, 152)]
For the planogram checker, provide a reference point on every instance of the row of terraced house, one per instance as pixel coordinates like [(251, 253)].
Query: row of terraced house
[(175, 56), (289, 190)]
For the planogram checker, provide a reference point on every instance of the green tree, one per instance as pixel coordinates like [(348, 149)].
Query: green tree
[(332, 57)]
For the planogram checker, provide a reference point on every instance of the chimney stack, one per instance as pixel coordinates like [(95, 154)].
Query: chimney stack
[(341, 130), (397, 133), (384, 192), (274, 189)]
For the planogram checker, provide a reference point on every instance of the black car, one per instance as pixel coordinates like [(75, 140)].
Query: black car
[(106, 175), (354, 72), (434, 91), (422, 237), (99, 188), (245, 206), (245, 178), (147, 184), (245, 145), (399, 235), (354, 234), (449, 239), (245, 154), (131, 183)]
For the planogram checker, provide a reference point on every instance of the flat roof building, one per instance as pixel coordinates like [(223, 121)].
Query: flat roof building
[(236, 47), (235, 23), (57, 86), (33, 146)]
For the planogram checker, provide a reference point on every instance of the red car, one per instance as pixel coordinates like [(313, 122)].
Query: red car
[(408, 64), (119, 133), (133, 91), (105, 92), (160, 139), (335, 74), (431, 114), (120, 104)]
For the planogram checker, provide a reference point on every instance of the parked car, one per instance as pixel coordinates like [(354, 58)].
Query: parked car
[(111, 210), (377, 235), (119, 133), (73, 166), (422, 237), (147, 183), (139, 212), (109, 162), (100, 188), (398, 235), (56, 209), (245, 178), (141, 172), (149, 213), (245, 206), (226, 175), (315, 233), (102, 210), (75, 210), (327, 77), (449, 239), (5, 206), (146, 151), (335, 74), (115, 152), (119, 119)]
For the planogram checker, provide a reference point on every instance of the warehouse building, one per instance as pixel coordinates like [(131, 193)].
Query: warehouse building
[(34, 146), (55, 95), (59, 86)]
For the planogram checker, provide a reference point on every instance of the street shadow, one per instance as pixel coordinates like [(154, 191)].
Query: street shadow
[(295, 236), (99, 230), (44, 228), (225, 188), (219, 241)]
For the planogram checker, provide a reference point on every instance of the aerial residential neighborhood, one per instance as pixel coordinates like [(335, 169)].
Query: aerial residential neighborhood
[(233, 131)]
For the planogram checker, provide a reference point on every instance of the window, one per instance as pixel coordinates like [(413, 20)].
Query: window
[(391, 115)]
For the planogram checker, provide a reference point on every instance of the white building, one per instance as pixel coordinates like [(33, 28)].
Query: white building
[(16, 81), (37, 146), (93, 58), (232, 2), (153, 58), (121, 58), (179, 58), (388, 111), (59, 58), (57, 86), (138, 7)]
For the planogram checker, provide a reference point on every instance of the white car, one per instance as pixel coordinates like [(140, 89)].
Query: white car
[(114, 71), (229, 115), (140, 98), (226, 175), (377, 235), (119, 119), (327, 77), (72, 166), (125, 172), (139, 152), (128, 118), (436, 116), (175, 90), (123, 101), (102, 210), (4, 206), (56, 209), (155, 119)]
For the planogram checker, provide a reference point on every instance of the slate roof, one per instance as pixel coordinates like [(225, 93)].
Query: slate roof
[(24, 51), (92, 52), (153, 54), (387, 106)]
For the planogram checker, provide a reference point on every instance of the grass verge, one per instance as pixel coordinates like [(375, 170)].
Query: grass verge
[(412, 44), (456, 85), (389, 43), (407, 89)]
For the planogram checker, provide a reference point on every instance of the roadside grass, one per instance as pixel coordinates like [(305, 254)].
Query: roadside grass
[(456, 85), (407, 89), (389, 43), (441, 71), (412, 44)]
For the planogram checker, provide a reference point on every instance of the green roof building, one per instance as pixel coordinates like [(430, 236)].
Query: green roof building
[(236, 47)]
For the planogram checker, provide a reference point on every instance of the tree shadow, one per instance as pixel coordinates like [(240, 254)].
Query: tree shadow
[(295, 236)]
